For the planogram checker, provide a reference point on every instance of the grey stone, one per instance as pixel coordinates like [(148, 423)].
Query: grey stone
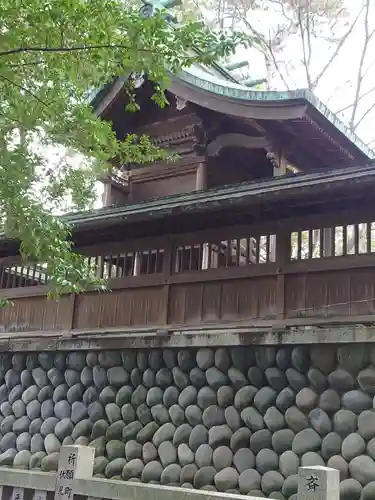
[(329, 401), (282, 440), (243, 459), (113, 412), (170, 396), (154, 396), (274, 419), (289, 463), (242, 357), (90, 396), (33, 409), (260, 439), (256, 377), (132, 469), (204, 477), (353, 357), (366, 424), (339, 463), (45, 392), (124, 395), (35, 426), (296, 380), (149, 452), (6, 409), (18, 361), (213, 415), (272, 481), (25, 378), (206, 397), (222, 359), (76, 360), (139, 396), (62, 409), (152, 471), (216, 378), (244, 397), (222, 457), (23, 441), (160, 414), (55, 377), (285, 399), (163, 378), (323, 357), (204, 455), (306, 440), (185, 359), (142, 359), (362, 469), (232, 418), (87, 378), (80, 441), (59, 360), (51, 444), (115, 430), (197, 377), (167, 453), (226, 479), (129, 359), (171, 474), (185, 455), (144, 434), (63, 428), (265, 356), (240, 439), (205, 358), (249, 481), (252, 418), (193, 415), (128, 413), (115, 467), (75, 393), (368, 492), (30, 394), (306, 399), (12, 378), (366, 380), (107, 395), (290, 486), (344, 422), (264, 398), (35, 461), (82, 429), (276, 378), (48, 426), (198, 436), (107, 359), (71, 377), (331, 445), (155, 359), (164, 433), (350, 489), (177, 414), (148, 378), (115, 449), (8, 441), (99, 375), (312, 459), (169, 358), (39, 376), (47, 409), (19, 408), (356, 401), (300, 358), (237, 378), (371, 448), (225, 396), (7, 424), (4, 393), (341, 380), (100, 463), (100, 428), (353, 446), (317, 380), (266, 460), (182, 434), (188, 396), (133, 450), (136, 377), (219, 435), (31, 360), (320, 421), (144, 414), (21, 425), (50, 462), (15, 394), (295, 419)]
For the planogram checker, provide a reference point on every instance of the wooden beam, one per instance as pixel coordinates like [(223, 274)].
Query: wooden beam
[(236, 140)]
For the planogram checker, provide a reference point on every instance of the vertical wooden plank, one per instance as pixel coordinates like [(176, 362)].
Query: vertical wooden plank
[(167, 271), (282, 253)]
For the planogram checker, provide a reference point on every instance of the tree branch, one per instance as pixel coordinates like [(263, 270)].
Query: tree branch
[(20, 50), (2, 77), (365, 94)]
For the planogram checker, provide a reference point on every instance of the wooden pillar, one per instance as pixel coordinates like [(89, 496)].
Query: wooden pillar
[(137, 264), (327, 242), (107, 195), (201, 177), (282, 256)]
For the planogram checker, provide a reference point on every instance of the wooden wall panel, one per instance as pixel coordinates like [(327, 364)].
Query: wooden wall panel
[(37, 313), (137, 306), (230, 300), (164, 186)]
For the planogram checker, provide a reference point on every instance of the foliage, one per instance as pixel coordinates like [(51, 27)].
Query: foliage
[(52, 54)]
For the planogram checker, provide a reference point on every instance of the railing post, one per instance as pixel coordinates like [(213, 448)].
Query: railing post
[(75, 462), (318, 483)]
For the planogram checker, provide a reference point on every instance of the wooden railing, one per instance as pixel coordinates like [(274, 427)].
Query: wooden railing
[(292, 270)]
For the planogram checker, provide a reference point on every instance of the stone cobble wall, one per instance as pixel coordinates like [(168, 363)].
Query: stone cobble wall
[(239, 419)]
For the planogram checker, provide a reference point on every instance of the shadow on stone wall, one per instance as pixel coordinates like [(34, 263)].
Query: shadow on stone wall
[(233, 419)]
